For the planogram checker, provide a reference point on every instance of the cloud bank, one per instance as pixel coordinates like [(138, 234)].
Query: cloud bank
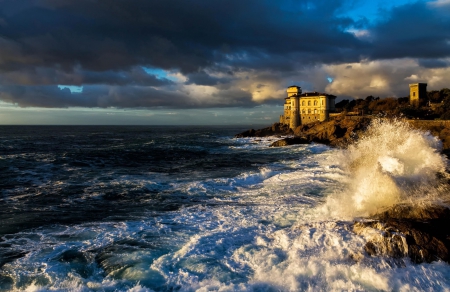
[(210, 54)]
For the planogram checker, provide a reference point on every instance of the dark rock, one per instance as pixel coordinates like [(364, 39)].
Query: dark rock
[(342, 130), (336, 132), (274, 130), (418, 232), (290, 141), (248, 133)]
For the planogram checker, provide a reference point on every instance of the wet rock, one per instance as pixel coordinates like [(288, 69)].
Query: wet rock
[(245, 134), (342, 130), (274, 130), (290, 141), (336, 132), (418, 232)]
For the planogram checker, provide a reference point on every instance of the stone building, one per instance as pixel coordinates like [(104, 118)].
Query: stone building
[(417, 92), (303, 108)]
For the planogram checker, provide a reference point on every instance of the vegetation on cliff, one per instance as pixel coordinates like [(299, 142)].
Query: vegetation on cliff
[(435, 106)]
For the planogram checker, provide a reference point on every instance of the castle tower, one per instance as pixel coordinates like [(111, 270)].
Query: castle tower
[(294, 93), (417, 92), (323, 111)]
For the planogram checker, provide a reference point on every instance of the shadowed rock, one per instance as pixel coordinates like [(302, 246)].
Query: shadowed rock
[(336, 132), (274, 130), (418, 232), (290, 141)]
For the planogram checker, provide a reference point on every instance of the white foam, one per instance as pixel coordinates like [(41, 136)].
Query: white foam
[(258, 231), (391, 163)]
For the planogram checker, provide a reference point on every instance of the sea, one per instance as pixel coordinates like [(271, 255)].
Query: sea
[(191, 208)]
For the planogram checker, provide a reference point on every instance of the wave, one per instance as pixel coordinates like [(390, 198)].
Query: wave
[(391, 163)]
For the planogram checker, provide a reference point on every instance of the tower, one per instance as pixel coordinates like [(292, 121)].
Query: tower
[(417, 92), (294, 94)]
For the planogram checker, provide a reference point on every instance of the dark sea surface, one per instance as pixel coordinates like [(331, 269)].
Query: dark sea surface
[(166, 208)]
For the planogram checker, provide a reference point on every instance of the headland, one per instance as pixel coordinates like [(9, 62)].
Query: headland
[(406, 228)]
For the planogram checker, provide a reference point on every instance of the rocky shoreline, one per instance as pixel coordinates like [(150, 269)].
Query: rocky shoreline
[(336, 132), (419, 232), (341, 131)]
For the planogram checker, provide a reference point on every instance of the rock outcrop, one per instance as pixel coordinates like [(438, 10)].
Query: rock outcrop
[(290, 141), (336, 132), (418, 232), (341, 130), (276, 129)]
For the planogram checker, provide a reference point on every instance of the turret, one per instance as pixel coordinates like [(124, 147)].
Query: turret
[(417, 92), (294, 93)]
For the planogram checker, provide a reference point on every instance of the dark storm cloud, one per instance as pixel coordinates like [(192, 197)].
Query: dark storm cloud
[(433, 63), (186, 35), (116, 96), (105, 44), (78, 77), (203, 78), (417, 30)]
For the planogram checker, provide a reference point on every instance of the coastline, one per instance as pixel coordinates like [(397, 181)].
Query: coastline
[(416, 230), (342, 130)]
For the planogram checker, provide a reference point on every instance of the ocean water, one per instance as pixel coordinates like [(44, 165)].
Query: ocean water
[(193, 209)]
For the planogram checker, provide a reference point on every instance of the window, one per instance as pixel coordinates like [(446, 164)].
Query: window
[(322, 101), (309, 103), (315, 102), (309, 111), (303, 103), (414, 94), (315, 111), (303, 111)]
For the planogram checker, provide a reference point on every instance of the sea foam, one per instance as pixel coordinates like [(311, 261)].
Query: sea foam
[(389, 164)]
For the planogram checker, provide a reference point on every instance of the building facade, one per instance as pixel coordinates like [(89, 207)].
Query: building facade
[(303, 108), (417, 92)]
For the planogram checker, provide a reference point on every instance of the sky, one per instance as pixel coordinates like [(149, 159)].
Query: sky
[(209, 62)]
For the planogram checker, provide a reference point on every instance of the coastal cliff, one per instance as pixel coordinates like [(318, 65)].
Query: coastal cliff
[(408, 228), (341, 131)]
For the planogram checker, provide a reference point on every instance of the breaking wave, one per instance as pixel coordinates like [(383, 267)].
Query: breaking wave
[(389, 164)]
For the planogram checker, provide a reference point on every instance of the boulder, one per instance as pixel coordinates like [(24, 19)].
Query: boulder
[(290, 141), (274, 130), (418, 232)]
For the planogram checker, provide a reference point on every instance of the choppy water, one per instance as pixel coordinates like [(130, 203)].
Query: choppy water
[(185, 209)]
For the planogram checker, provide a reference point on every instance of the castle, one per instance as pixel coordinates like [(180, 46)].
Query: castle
[(303, 108), (417, 92)]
